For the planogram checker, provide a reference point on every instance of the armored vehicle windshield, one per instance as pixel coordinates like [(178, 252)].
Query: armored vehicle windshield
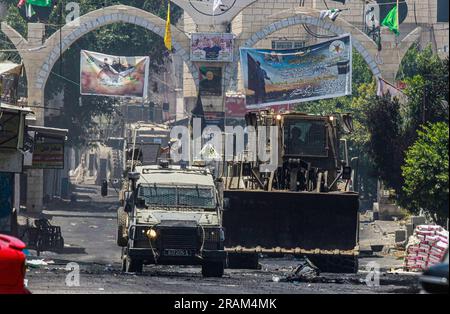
[(177, 196)]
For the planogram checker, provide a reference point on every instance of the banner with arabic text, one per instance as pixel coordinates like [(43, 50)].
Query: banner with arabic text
[(280, 77)]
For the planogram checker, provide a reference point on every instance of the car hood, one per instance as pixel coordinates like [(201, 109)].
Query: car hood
[(155, 217)]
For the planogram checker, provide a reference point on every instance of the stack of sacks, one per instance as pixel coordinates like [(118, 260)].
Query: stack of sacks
[(426, 247)]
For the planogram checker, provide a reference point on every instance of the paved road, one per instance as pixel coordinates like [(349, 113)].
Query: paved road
[(89, 232)]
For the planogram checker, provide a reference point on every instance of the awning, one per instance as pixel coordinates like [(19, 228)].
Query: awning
[(15, 109), (10, 68), (49, 132)]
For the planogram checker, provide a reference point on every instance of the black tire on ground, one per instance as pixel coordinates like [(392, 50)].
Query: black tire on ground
[(122, 217), (133, 265), (123, 259), (213, 269), (14, 224), (339, 264), (60, 246), (243, 261)]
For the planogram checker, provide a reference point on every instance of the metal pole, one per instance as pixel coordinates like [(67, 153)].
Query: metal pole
[(398, 14)]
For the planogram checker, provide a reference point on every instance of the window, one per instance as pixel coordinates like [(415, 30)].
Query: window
[(9, 130), (442, 10), (305, 138), (288, 44)]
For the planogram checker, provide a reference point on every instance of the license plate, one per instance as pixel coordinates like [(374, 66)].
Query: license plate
[(176, 253)]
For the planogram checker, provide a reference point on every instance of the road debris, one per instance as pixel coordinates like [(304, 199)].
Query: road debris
[(307, 272), (39, 262)]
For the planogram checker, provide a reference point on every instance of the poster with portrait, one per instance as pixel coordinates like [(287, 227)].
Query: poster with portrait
[(106, 75), (213, 47), (285, 77), (210, 81)]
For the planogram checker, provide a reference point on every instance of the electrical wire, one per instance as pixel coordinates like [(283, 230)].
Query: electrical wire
[(310, 32)]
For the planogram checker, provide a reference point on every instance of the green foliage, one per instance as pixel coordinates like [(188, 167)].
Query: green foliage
[(426, 77), (387, 141), (415, 167), (426, 172)]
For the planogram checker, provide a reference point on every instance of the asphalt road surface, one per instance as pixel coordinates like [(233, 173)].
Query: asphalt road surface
[(89, 233)]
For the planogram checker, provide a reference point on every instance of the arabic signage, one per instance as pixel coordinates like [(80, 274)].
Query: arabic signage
[(281, 77), (48, 156), (212, 47), (210, 81), (105, 75)]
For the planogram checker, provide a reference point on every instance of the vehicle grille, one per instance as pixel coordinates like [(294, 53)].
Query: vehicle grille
[(182, 238)]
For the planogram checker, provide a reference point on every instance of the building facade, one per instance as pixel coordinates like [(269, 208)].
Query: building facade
[(424, 22)]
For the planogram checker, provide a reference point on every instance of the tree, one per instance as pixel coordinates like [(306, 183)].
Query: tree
[(387, 141), (426, 173), (426, 77), (393, 127)]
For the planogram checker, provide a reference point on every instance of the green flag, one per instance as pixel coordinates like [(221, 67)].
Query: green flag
[(391, 21), (40, 3)]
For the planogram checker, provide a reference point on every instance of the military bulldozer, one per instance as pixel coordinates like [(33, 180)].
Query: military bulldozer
[(306, 206)]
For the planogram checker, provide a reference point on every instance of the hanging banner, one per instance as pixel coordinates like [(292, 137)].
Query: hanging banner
[(210, 81), (281, 77), (105, 75), (212, 47)]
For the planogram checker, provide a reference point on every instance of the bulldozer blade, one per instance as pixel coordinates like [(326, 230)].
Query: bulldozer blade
[(292, 222)]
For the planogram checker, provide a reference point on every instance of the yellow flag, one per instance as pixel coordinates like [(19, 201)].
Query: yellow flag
[(168, 35)]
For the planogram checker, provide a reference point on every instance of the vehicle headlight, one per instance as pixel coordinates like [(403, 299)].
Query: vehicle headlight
[(152, 234)]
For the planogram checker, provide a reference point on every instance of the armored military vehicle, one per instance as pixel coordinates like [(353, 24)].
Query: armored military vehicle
[(171, 215), (307, 205)]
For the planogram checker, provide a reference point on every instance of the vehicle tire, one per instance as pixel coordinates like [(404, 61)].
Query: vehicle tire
[(213, 269), (122, 218), (123, 259), (133, 265), (60, 246)]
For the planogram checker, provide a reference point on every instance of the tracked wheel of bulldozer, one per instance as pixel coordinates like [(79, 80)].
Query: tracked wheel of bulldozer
[(122, 218)]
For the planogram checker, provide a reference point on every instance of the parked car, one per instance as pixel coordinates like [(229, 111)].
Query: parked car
[(12, 266), (435, 279)]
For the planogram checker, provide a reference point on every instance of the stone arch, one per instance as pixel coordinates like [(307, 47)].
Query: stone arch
[(110, 15), (52, 48), (360, 41)]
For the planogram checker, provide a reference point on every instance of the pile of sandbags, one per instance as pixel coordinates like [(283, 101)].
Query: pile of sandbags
[(426, 247)]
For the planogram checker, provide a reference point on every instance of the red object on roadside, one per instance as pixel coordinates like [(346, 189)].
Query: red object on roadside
[(12, 266)]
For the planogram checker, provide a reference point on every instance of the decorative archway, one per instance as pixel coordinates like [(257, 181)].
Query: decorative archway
[(39, 58), (362, 43)]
